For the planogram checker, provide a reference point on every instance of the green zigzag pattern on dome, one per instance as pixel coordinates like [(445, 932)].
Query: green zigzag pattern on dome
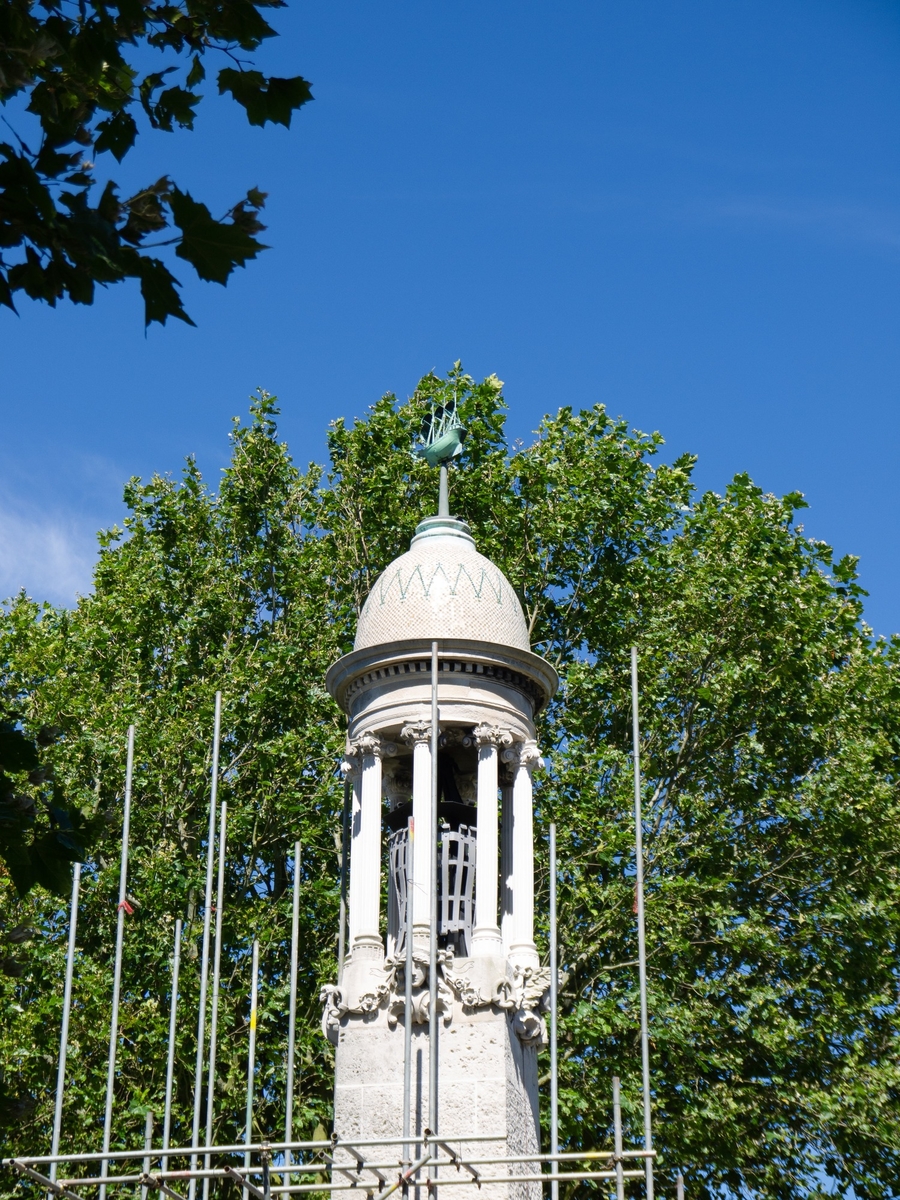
[(386, 585)]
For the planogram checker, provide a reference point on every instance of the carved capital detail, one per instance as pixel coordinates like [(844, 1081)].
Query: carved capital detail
[(372, 745), (523, 754), (349, 767), (416, 732), (530, 757), (489, 735), (397, 786)]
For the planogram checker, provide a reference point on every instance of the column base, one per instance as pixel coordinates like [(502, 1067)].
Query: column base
[(487, 942), (367, 946), (524, 954)]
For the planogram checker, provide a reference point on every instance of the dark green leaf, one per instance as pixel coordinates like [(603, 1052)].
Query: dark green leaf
[(116, 134), (265, 99), (159, 289), (5, 294), (197, 72), (176, 104), (213, 248), (17, 752)]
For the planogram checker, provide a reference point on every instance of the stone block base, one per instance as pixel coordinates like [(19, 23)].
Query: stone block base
[(487, 1086)]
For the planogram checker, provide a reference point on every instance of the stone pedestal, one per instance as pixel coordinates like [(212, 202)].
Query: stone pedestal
[(490, 1029)]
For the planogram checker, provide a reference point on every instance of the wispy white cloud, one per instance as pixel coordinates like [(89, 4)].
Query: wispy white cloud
[(51, 556), (835, 221)]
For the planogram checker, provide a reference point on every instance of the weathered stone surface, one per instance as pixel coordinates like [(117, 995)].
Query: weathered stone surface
[(487, 1085)]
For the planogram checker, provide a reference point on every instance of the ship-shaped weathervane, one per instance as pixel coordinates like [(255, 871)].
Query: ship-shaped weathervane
[(442, 435)]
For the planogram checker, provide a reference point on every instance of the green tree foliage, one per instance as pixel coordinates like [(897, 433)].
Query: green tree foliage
[(770, 744), (78, 65)]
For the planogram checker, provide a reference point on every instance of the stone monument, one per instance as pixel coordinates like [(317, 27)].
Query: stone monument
[(469, 880)]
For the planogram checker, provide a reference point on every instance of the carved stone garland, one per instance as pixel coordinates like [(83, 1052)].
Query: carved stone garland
[(525, 996)]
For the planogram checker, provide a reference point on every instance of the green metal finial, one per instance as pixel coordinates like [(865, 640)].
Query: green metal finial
[(442, 440), (442, 435)]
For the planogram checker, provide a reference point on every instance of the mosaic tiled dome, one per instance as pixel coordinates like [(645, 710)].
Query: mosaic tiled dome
[(442, 588)]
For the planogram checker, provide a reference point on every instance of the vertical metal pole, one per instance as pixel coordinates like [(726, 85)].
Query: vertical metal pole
[(148, 1144), (432, 936), (639, 896), (554, 1000), (617, 1139), (117, 970), (173, 1025), (217, 974), (679, 1186), (204, 965), (64, 1032), (251, 1052), (407, 1029), (292, 1013), (345, 857)]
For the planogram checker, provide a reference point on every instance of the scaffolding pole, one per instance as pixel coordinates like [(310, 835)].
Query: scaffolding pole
[(148, 1144), (251, 1051), (67, 1006), (117, 969), (407, 1026), (204, 965), (345, 852), (639, 904), (292, 1010), (554, 1000), (617, 1138), (173, 1025), (217, 975), (432, 935)]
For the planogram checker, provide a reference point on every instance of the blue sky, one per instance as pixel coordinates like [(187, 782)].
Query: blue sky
[(687, 211)]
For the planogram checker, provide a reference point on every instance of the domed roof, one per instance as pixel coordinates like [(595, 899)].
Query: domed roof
[(442, 588)]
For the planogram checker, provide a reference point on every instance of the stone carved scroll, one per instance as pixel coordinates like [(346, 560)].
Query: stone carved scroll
[(336, 1006), (532, 990), (523, 754), (525, 996), (489, 735), (372, 745), (416, 731)]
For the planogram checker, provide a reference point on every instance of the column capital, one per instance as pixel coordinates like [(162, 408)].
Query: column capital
[(524, 754), (490, 735), (372, 745), (416, 732), (349, 767)]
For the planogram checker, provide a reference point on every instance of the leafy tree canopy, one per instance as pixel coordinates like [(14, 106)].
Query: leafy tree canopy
[(771, 735), (87, 73)]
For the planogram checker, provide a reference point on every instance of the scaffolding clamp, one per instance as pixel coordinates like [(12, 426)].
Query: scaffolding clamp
[(245, 1183), (153, 1181)]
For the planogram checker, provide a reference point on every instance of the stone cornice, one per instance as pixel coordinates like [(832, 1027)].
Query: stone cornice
[(521, 669)]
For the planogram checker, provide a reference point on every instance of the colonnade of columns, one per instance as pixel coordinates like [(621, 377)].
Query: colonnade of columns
[(504, 870)]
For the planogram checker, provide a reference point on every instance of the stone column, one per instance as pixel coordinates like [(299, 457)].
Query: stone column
[(418, 735), (365, 855), (350, 770), (506, 858), (486, 941), (522, 950)]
